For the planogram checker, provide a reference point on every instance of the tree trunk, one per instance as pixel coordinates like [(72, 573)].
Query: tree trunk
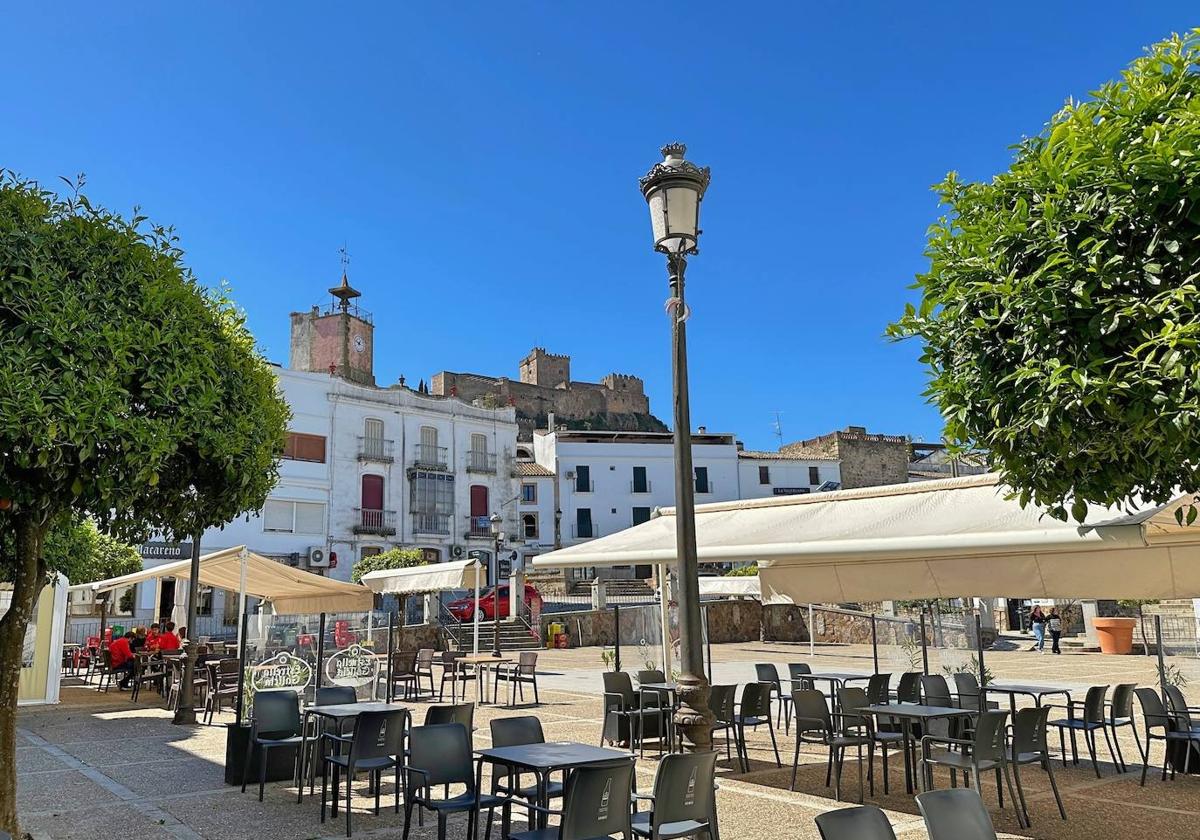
[(29, 576)]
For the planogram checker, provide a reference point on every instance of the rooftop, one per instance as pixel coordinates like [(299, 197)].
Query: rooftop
[(528, 469), (756, 455)]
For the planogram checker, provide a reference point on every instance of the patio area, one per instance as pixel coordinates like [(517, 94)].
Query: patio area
[(99, 765)]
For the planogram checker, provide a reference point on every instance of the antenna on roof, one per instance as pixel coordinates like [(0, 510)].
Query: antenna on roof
[(778, 424)]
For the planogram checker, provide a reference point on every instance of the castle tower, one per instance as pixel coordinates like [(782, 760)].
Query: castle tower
[(338, 340), (548, 370)]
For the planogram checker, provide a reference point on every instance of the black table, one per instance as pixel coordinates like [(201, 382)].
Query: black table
[(543, 759), (907, 713), (1036, 692), (336, 712), (835, 679)]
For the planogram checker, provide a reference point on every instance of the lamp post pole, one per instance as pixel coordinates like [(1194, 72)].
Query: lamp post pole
[(673, 189), (497, 538)]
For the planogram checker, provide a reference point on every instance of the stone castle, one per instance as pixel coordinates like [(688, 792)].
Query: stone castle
[(616, 403)]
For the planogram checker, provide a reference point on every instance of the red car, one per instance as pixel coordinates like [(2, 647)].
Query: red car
[(464, 608)]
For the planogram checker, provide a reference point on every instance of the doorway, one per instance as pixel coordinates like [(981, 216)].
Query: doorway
[(166, 599)]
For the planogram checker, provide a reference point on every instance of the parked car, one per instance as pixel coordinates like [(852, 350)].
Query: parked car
[(464, 608)]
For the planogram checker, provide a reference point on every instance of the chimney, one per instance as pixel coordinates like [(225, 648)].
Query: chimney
[(550, 421), (702, 430)]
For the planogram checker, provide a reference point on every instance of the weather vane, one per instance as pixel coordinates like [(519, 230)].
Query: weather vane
[(344, 257)]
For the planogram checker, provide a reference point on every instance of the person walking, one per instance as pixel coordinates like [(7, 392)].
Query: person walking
[(1054, 624), (1037, 621)]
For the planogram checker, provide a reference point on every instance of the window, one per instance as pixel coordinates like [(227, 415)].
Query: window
[(583, 479), (372, 492), (583, 523), (432, 492), (764, 475), (640, 483), (529, 526), (373, 428), (640, 515), (302, 447), (479, 443), (814, 475), (529, 494), (429, 436), (370, 551), (702, 485), (204, 601), (286, 517)]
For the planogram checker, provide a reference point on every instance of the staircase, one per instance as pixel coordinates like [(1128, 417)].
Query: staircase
[(514, 635)]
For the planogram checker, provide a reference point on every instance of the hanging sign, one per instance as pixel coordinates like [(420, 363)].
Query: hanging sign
[(352, 666), (283, 670)]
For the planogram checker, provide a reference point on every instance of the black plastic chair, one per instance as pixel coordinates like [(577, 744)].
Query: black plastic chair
[(935, 691), (1155, 716), (1029, 747), (274, 725), (851, 700), (754, 710), (455, 673), (988, 750), (955, 814), (815, 724), (967, 687), (767, 673), (439, 756), (879, 693), (423, 667), (150, 670), (222, 684), (597, 804), (865, 822), (721, 701), (683, 803), (908, 690), (1120, 713), (1177, 704), (1091, 721), (514, 732), (624, 718), (463, 713), (518, 674), (403, 676), (377, 745)]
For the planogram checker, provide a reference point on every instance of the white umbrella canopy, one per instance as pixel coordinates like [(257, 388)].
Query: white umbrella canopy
[(932, 539), (290, 591), (435, 577)]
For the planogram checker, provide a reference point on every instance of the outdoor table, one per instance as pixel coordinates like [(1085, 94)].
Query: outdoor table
[(1036, 692), (907, 713), (484, 663), (834, 678), (338, 712), (671, 690), (541, 760)]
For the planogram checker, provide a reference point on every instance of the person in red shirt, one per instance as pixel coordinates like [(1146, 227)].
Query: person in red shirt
[(121, 656), (152, 637), (167, 640)]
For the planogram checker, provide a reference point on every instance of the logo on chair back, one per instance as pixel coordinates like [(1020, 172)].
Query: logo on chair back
[(689, 798), (352, 666), (283, 670), (602, 811)]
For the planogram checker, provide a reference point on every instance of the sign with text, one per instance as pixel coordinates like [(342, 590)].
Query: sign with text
[(790, 491), (352, 666), (283, 670), (165, 551)]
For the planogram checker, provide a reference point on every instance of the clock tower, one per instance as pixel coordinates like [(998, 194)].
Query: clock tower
[(338, 340)]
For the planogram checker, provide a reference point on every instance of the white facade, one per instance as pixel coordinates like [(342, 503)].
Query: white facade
[(772, 474), (381, 468)]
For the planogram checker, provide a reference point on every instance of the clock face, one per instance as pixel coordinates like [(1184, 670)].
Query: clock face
[(359, 344)]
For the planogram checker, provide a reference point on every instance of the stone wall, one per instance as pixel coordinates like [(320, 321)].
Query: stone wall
[(416, 636), (867, 460)]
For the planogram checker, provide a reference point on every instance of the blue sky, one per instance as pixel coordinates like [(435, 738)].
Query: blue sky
[(480, 160)]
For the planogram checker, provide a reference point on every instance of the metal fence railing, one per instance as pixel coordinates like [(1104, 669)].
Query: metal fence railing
[(79, 630)]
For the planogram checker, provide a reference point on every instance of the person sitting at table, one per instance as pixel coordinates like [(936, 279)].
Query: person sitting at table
[(167, 640), (121, 652), (139, 639), (152, 637)]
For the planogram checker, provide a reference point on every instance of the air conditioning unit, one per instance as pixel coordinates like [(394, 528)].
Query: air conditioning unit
[(569, 475), (318, 557), (457, 551)]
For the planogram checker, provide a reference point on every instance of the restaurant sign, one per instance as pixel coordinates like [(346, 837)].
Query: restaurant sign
[(165, 551), (282, 671), (790, 491), (354, 665)]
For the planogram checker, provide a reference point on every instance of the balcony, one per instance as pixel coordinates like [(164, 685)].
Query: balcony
[(431, 523), (429, 457), (587, 532), (376, 449), (478, 527), (638, 487), (381, 522), (583, 486), (479, 461)]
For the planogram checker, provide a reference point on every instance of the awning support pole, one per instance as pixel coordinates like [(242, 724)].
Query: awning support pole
[(707, 645), (812, 639), (475, 617), (982, 670), (617, 638), (242, 600), (320, 651), (243, 627), (391, 626), (924, 647), (664, 619), (874, 644), (1162, 665)]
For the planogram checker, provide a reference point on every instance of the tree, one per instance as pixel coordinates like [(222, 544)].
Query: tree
[(129, 393), (1059, 311), (394, 558), (79, 550)]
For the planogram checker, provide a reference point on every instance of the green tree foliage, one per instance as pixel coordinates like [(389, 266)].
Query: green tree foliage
[(1059, 312), (83, 553), (395, 558), (749, 570), (129, 393)]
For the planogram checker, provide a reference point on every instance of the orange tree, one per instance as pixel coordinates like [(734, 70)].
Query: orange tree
[(129, 393), (1060, 312)]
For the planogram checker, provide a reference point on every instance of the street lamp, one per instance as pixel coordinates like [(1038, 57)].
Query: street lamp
[(674, 189), (497, 539)]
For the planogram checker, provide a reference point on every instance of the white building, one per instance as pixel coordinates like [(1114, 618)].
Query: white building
[(609, 481)]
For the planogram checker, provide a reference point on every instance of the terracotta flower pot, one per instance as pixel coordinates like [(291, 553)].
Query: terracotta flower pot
[(1115, 634)]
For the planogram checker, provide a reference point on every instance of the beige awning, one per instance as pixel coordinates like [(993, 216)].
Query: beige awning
[(731, 586), (932, 539), (436, 577), (290, 591)]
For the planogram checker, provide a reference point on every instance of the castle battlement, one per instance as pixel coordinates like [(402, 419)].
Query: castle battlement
[(623, 382)]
